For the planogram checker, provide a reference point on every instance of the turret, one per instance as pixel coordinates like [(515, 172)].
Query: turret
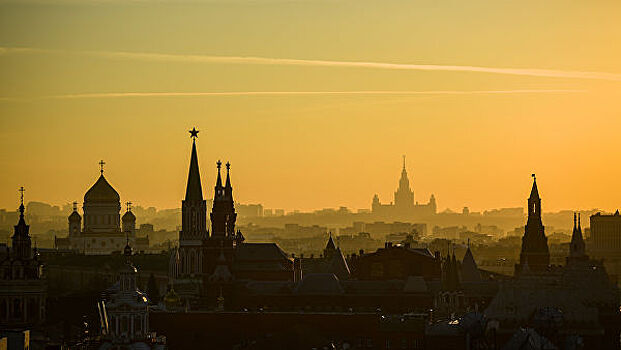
[(577, 246), (21, 247), (75, 221), (129, 221), (223, 216)]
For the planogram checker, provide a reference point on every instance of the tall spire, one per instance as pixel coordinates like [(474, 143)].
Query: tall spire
[(228, 189), (534, 192), (404, 162), (194, 191), (219, 179), (534, 242), (21, 243), (577, 249)]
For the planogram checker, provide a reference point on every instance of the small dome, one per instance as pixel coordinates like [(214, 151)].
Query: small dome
[(102, 191), (128, 216), (75, 216)]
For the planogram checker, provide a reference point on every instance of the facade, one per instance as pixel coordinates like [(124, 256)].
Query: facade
[(124, 313), (22, 285), (404, 206), (101, 229), (535, 254)]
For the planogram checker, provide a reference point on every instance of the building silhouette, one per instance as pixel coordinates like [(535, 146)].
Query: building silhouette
[(23, 289), (101, 229), (404, 205), (207, 261), (535, 254), (606, 235)]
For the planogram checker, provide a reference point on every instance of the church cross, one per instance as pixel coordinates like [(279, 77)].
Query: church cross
[(101, 165), (129, 206)]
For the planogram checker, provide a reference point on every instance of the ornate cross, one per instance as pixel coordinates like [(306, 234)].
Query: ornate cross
[(101, 165)]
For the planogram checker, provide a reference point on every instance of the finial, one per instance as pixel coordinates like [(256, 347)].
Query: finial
[(193, 133), (75, 206), (228, 166), (129, 206), (22, 190), (534, 177), (578, 220), (101, 165), (468, 243), (404, 161), (219, 164)]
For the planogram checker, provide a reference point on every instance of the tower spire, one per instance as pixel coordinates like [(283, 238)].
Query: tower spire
[(534, 192), (535, 249), (194, 190), (228, 178), (219, 179), (101, 166)]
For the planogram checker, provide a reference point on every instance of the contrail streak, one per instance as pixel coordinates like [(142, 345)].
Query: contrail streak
[(159, 57), (284, 93)]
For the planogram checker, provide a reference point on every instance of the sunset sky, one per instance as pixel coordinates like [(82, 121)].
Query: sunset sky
[(313, 102)]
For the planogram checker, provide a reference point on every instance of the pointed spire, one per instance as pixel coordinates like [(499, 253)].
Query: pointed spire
[(228, 175), (404, 162), (330, 246), (579, 227), (219, 179), (534, 192), (21, 229), (194, 190), (21, 205), (228, 189), (469, 269)]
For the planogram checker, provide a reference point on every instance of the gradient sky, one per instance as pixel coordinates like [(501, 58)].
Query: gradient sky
[(506, 95)]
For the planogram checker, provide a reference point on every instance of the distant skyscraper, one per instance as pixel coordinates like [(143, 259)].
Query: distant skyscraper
[(404, 206), (404, 196), (535, 253)]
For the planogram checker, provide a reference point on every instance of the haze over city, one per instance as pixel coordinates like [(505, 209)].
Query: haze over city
[(499, 91)]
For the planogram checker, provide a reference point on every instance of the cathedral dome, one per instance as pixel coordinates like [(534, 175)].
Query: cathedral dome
[(102, 191), (128, 216)]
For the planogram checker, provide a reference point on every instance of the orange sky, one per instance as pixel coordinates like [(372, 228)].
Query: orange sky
[(313, 101)]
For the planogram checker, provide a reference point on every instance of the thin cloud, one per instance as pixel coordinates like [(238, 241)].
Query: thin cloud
[(159, 57), (285, 93)]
